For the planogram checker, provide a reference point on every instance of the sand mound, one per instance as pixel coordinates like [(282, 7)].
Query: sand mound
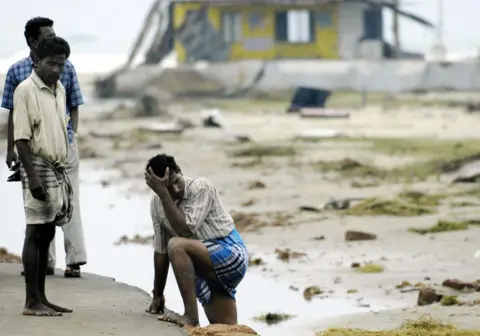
[(8, 257), (222, 330)]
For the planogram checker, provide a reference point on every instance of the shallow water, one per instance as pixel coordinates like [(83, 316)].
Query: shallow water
[(108, 213)]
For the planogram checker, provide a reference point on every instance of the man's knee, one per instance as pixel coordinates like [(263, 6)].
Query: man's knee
[(46, 233), (176, 244)]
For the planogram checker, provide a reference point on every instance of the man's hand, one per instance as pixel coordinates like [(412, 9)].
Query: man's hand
[(157, 184), (157, 306), (11, 158), (37, 189)]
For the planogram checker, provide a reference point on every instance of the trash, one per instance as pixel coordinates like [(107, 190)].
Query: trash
[(341, 204), (469, 173), (323, 113), (319, 134), (352, 235), (308, 97), (162, 128), (212, 118)]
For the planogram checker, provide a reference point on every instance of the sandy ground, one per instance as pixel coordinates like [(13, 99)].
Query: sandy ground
[(292, 181)]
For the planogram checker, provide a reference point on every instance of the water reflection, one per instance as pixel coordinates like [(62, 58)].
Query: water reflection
[(108, 214)]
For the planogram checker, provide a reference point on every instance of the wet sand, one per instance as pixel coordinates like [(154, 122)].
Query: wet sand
[(292, 181)]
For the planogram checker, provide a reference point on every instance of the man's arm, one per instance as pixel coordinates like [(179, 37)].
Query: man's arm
[(7, 103), (160, 257), (196, 208), (175, 217), (74, 97), (22, 132), (26, 158)]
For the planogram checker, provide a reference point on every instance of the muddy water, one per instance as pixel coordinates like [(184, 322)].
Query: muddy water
[(108, 213)]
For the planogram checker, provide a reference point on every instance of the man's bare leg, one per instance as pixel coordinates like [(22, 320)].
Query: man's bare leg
[(221, 308), (30, 259), (47, 237), (189, 258), (184, 271)]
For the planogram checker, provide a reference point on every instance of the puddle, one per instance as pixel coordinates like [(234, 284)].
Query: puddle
[(108, 214)]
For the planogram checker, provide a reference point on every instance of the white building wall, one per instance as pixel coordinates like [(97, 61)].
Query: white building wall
[(350, 29)]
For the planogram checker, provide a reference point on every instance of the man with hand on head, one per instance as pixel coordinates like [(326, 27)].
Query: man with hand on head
[(197, 236)]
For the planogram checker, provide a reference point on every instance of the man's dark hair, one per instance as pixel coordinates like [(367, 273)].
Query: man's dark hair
[(161, 162), (32, 27), (52, 46)]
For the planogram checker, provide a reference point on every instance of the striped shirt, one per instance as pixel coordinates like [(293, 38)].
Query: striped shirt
[(204, 212)]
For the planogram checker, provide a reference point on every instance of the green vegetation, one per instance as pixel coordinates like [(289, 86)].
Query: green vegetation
[(445, 226), (422, 327), (370, 268), (258, 151), (387, 207), (273, 318)]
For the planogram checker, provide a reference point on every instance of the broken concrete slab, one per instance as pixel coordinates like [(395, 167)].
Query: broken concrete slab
[(323, 113)]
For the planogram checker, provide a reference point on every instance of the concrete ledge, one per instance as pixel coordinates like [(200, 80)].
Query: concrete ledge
[(101, 307)]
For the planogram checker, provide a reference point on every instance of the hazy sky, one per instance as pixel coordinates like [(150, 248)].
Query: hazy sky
[(111, 25)]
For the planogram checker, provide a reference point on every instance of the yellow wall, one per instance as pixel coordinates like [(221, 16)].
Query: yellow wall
[(325, 44)]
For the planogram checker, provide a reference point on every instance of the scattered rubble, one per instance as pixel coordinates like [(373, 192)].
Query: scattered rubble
[(287, 254), (137, 239), (352, 235), (256, 185), (7, 257), (311, 291)]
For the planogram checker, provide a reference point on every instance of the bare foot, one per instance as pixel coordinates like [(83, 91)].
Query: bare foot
[(56, 308), (39, 309), (181, 320)]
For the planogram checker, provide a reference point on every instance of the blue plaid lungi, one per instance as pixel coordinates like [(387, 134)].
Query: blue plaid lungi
[(230, 261)]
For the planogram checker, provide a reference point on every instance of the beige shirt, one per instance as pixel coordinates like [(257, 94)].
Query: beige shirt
[(39, 116), (204, 212)]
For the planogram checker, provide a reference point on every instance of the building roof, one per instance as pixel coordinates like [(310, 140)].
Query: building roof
[(383, 3)]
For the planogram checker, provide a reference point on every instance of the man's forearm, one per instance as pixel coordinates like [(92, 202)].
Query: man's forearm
[(175, 217), (10, 142), (74, 118), (25, 157), (161, 263)]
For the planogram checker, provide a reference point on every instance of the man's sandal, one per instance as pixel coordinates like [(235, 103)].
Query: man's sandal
[(72, 272)]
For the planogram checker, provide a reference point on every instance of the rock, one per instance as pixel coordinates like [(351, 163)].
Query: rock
[(287, 254), (352, 235), (460, 285), (428, 296), (256, 185), (221, 330), (311, 291)]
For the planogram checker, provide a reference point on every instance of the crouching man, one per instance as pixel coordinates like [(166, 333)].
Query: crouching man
[(197, 236), (40, 124)]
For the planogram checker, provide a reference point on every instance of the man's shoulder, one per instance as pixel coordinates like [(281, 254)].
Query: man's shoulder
[(199, 184), (23, 66), (69, 68), (25, 86)]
